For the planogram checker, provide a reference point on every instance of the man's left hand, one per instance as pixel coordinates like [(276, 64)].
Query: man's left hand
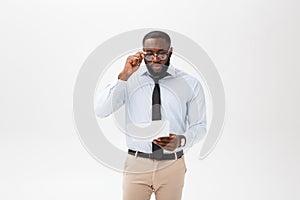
[(169, 143)]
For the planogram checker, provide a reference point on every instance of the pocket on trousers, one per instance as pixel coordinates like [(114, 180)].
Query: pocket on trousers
[(125, 166)]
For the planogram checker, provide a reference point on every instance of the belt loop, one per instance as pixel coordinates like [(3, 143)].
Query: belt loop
[(175, 155), (135, 155)]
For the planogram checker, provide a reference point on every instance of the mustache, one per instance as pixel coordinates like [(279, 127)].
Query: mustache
[(153, 64), (150, 65)]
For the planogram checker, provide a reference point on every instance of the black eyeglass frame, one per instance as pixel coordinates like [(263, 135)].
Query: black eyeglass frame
[(161, 56)]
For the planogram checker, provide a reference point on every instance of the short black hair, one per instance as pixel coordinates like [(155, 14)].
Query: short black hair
[(158, 34)]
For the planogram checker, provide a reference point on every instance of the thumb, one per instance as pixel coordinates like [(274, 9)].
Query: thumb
[(172, 135)]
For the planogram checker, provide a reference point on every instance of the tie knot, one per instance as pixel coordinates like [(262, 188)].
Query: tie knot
[(156, 79)]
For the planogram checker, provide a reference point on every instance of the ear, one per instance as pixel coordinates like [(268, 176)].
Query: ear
[(170, 51)]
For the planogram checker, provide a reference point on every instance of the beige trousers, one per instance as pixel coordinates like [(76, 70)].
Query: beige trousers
[(142, 176)]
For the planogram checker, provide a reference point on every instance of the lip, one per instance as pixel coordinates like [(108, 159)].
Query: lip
[(156, 67)]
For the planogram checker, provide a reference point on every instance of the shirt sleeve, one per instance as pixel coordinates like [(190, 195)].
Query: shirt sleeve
[(196, 117), (111, 99)]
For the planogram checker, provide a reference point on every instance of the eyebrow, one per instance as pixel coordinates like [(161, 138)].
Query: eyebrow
[(159, 50)]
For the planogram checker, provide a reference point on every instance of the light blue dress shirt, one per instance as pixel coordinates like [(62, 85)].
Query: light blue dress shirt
[(182, 104)]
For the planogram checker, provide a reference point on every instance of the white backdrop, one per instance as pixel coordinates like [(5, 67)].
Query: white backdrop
[(254, 45)]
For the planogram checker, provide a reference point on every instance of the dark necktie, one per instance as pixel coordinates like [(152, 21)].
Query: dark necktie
[(156, 112)]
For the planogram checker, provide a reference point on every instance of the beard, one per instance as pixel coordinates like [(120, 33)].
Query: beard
[(158, 70)]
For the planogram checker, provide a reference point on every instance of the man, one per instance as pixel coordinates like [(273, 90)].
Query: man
[(156, 93)]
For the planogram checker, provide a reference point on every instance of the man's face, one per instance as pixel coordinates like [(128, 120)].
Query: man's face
[(157, 48)]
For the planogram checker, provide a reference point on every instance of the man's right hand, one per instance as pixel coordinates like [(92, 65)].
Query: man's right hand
[(132, 64)]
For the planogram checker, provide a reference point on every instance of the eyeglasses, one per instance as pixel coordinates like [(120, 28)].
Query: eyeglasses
[(150, 56)]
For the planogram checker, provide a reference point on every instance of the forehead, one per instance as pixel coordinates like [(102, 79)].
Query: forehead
[(156, 43)]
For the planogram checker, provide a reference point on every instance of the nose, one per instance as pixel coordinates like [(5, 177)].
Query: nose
[(156, 59)]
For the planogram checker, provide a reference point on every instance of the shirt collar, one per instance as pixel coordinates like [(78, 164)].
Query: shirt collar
[(171, 70)]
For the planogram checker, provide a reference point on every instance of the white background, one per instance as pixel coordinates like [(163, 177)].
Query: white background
[(254, 45)]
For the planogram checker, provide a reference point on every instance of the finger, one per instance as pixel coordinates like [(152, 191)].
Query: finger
[(139, 55), (133, 61), (170, 147), (164, 143), (157, 143), (172, 135), (137, 60), (165, 139), (133, 57)]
